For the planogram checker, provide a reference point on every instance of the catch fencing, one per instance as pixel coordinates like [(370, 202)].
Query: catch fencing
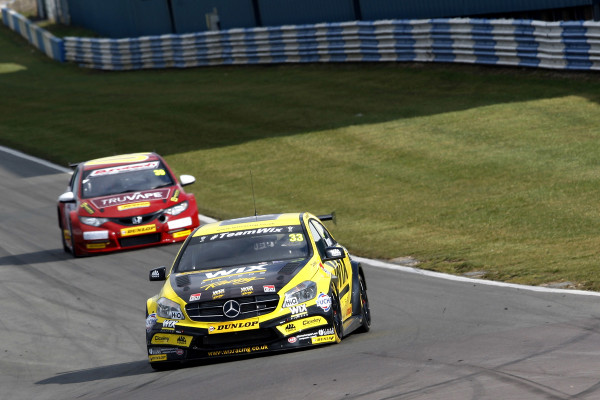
[(573, 45)]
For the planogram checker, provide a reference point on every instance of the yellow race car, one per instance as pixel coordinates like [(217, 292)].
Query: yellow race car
[(255, 284)]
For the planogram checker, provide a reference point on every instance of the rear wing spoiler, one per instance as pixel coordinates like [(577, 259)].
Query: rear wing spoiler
[(328, 217)]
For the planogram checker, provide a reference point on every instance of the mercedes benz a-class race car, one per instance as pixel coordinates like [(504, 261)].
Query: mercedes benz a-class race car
[(255, 284), (125, 202)]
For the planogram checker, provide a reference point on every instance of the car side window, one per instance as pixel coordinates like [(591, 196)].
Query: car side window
[(329, 241), (319, 240), (322, 237)]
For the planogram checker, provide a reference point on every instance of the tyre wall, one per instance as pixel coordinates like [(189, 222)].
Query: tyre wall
[(43, 40), (573, 45)]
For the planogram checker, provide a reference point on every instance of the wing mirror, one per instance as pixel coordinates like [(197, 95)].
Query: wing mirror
[(334, 253), (67, 197), (186, 180), (158, 274)]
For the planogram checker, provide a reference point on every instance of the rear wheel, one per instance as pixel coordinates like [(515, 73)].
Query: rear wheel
[(364, 306)]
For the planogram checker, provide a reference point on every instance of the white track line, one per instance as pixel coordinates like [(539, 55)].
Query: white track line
[(374, 263), (34, 159), (412, 270)]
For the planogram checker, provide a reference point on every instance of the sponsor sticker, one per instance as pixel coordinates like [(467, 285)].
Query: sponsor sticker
[(238, 281), (195, 297), (87, 208), (95, 246), (323, 339), (172, 339), (140, 204), (185, 233), (124, 168), (137, 197), (289, 301), (301, 324), (150, 322), (325, 332), (157, 357), (138, 230), (269, 288), (243, 350), (299, 309), (233, 326), (217, 294), (292, 339), (236, 271), (324, 301), (247, 290), (169, 324)]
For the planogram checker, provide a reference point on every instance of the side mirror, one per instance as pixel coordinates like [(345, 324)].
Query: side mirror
[(158, 274), (67, 197), (186, 180), (334, 253)]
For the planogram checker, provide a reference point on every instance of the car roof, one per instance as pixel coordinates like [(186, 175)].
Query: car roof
[(120, 160), (254, 222)]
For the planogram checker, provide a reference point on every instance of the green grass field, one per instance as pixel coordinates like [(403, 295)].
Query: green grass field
[(464, 168)]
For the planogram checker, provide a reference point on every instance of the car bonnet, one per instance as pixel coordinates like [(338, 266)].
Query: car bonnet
[(235, 281)]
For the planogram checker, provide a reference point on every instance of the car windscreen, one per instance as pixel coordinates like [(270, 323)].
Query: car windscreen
[(125, 178), (243, 247)]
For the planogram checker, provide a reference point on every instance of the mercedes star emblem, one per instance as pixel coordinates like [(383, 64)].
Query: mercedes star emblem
[(231, 309)]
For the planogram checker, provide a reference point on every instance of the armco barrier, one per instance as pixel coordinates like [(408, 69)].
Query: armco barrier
[(39, 37), (557, 45)]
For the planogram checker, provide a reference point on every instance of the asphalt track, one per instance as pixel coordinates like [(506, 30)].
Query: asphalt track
[(74, 328)]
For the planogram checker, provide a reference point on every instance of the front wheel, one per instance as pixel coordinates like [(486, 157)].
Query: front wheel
[(337, 316), (364, 306)]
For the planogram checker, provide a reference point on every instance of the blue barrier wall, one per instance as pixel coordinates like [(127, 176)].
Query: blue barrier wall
[(190, 15), (122, 18), (566, 45), (413, 9), (129, 18), (294, 12)]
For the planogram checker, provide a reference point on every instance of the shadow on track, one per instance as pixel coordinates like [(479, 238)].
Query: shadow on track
[(99, 373), (36, 257)]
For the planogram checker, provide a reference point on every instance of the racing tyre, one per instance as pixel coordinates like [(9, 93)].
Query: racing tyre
[(62, 234), (337, 316), (73, 248), (364, 306)]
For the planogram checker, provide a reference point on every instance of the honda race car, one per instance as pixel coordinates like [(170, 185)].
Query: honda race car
[(255, 284), (125, 202)]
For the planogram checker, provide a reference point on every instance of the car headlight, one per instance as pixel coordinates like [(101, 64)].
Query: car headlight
[(177, 209), (168, 309), (92, 221), (304, 292)]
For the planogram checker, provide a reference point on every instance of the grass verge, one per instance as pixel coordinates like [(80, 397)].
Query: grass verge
[(464, 168)]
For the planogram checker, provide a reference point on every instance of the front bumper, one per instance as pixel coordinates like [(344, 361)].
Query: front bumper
[(184, 340), (112, 236)]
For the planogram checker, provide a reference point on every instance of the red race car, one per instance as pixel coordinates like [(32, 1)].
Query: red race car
[(125, 202)]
